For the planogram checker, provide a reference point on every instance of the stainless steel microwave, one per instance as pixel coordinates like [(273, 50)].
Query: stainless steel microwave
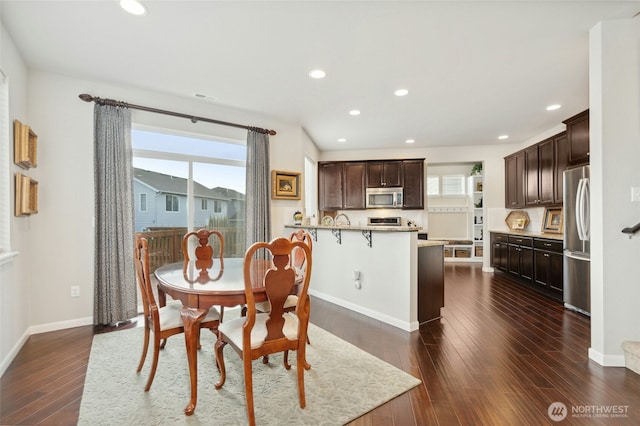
[(384, 198)]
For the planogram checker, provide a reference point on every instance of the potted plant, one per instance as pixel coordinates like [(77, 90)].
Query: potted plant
[(476, 169)]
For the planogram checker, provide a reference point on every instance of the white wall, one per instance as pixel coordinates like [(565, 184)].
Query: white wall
[(57, 245), (14, 276), (614, 115)]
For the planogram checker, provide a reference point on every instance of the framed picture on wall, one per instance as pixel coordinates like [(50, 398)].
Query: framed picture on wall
[(285, 185), (552, 221)]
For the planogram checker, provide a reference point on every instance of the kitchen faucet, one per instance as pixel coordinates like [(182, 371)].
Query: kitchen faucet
[(345, 216)]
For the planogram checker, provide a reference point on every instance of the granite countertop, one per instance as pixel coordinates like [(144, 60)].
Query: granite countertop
[(430, 243), (360, 227), (550, 236)]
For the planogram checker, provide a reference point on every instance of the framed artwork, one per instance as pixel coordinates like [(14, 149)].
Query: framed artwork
[(552, 221), (285, 185)]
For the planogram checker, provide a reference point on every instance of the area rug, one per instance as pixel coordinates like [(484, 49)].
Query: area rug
[(343, 384)]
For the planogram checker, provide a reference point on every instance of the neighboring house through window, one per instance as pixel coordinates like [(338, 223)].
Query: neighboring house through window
[(143, 202), (173, 203)]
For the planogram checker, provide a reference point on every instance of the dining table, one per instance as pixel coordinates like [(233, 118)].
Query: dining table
[(199, 287)]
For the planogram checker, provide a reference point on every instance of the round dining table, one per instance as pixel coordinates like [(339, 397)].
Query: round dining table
[(199, 286)]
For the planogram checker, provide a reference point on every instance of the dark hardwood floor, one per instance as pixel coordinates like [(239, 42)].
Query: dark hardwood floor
[(499, 356)]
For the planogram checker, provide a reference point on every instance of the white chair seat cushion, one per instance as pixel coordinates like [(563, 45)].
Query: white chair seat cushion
[(291, 302), (170, 316), (233, 329)]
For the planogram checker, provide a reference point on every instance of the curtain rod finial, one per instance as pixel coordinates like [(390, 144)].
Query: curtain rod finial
[(272, 132), (85, 97)]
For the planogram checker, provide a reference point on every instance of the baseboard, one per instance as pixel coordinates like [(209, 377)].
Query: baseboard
[(406, 326), (606, 360), (488, 269), (37, 329), (13, 352), (61, 325)]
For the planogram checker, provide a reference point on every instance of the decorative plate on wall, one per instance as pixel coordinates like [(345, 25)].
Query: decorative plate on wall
[(517, 220)]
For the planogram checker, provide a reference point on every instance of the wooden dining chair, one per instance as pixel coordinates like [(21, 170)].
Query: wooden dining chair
[(298, 263), (163, 321), (258, 334), (204, 252)]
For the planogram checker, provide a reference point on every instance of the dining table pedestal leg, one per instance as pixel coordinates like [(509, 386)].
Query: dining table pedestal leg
[(192, 318)]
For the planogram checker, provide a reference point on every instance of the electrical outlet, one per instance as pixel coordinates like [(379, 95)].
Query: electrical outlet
[(75, 291), (635, 194)]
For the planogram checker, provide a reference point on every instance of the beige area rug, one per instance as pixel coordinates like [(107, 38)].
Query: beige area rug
[(343, 384)]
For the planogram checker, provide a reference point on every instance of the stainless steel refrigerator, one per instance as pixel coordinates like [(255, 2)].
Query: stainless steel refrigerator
[(577, 247)]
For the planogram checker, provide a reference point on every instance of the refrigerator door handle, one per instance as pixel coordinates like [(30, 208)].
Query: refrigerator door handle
[(576, 256), (585, 210), (579, 209)]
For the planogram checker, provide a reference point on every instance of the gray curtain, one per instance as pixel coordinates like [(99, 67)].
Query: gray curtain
[(115, 281), (258, 204)]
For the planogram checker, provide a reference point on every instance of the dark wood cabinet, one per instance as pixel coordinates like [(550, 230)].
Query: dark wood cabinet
[(499, 251), (578, 138), (330, 186), (381, 174), (561, 156), (536, 263), (341, 186), (413, 184), (514, 180), (521, 257), (548, 265), (533, 176), (430, 282), (353, 184)]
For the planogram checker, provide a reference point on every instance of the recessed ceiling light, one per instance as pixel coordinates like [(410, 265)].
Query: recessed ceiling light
[(134, 7), (354, 112), (401, 92), (410, 141), (553, 107), (503, 137), (342, 140), (317, 74)]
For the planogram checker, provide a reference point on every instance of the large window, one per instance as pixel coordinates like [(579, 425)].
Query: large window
[(190, 182)]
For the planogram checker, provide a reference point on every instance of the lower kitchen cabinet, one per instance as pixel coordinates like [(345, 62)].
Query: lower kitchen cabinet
[(548, 265), (534, 262)]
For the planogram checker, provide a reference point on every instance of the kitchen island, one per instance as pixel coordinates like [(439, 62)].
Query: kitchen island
[(372, 270)]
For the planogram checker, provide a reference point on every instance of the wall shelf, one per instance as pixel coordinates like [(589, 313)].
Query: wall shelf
[(25, 145), (26, 195)]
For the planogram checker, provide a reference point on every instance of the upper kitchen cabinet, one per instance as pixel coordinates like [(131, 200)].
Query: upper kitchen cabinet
[(561, 154), (413, 184), (578, 138), (341, 185), (514, 180), (354, 192), (539, 166), (381, 174)]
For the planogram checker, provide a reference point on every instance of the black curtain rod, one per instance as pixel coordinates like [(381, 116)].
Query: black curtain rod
[(193, 118)]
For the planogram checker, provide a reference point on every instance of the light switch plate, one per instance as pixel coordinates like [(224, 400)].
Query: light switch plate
[(635, 194)]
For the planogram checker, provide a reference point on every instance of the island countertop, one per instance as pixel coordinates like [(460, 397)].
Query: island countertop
[(359, 227), (546, 235)]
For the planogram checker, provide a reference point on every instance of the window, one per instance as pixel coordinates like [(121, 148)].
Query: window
[(173, 203), (310, 187), (453, 186), (433, 186), (204, 204), (5, 176), (217, 206), (143, 202)]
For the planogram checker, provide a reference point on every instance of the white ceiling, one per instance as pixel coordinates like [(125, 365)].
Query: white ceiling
[(475, 70)]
